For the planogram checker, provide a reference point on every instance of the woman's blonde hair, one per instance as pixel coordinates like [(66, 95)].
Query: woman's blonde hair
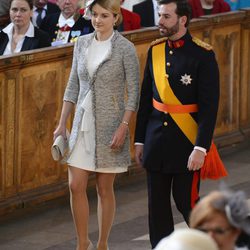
[(112, 6), (205, 210)]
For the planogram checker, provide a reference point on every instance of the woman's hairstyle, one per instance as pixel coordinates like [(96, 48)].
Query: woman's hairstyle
[(232, 205), (29, 2), (183, 8), (110, 5), (187, 239)]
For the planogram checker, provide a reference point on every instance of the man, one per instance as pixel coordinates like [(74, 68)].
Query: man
[(41, 9), (176, 117), (208, 7), (148, 11), (130, 20), (67, 25)]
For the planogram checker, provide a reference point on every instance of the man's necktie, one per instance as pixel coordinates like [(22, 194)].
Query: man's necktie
[(39, 17)]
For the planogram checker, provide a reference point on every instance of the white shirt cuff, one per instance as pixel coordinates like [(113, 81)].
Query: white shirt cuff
[(201, 149), (139, 143)]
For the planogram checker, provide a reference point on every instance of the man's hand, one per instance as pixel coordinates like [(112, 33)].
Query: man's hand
[(139, 154), (196, 160)]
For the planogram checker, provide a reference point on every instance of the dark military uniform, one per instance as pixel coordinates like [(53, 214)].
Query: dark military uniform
[(193, 75), (80, 28)]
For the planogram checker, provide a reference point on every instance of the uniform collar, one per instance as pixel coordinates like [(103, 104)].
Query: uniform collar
[(180, 42)]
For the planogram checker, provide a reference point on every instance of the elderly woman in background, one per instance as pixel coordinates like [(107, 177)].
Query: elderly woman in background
[(20, 34), (225, 216), (104, 85)]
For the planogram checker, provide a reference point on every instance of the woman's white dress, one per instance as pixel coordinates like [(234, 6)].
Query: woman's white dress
[(83, 154)]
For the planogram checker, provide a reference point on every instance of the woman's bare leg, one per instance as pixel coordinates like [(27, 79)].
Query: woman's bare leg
[(78, 180), (106, 207)]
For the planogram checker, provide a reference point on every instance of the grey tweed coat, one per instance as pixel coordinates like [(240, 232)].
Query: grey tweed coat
[(115, 87)]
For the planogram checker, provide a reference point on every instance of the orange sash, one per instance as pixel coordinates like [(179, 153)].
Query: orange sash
[(213, 167)]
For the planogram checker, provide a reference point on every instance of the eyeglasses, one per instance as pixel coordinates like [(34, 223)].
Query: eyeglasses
[(217, 231)]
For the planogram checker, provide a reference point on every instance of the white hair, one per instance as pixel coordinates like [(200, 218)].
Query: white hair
[(187, 239)]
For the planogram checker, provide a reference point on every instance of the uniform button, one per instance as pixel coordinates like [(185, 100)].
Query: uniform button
[(165, 113), (167, 75), (171, 52), (165, 124), (168, 64)]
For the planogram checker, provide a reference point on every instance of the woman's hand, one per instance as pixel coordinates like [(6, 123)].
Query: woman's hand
[(119, 136), (60, 130)]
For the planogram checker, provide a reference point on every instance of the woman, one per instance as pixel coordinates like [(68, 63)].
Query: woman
[(105, 66), (20, 34), (225, 216)]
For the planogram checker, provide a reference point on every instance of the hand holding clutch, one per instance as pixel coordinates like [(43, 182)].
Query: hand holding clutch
[(60, 147)]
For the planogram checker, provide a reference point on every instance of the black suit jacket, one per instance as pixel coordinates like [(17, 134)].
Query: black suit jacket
[(166, 148), (52, 8), (40, 40), (49, 25), (146, 11)]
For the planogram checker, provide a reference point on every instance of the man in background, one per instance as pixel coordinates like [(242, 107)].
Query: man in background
[(4, 13), (41, 9), (67, 25), (148, 11)]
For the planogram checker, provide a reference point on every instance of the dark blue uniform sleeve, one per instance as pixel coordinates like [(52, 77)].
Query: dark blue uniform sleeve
[(208, 99)]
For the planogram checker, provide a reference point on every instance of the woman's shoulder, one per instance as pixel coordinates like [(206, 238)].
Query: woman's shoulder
[(122, 42), (85, 39)]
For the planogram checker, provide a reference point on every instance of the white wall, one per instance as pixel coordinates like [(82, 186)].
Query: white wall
[(128, 4)]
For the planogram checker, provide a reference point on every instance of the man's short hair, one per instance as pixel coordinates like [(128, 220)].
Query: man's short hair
[(183, 8)]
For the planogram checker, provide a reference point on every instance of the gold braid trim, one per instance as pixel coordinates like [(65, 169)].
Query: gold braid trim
[(159, 40), (202, 44)]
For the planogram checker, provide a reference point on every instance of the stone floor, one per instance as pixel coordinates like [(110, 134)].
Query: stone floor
[(51, 227)]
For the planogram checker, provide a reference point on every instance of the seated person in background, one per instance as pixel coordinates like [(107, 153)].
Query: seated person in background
[(187, 239), (131, 20), (238, 4), (148, 11), (41, 9), (208, 7), (68, 25), (4, 12), (225, 216), (20, 34)]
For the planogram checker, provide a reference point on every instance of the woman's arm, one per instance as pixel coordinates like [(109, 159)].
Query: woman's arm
[(61, 128), (121, 132)]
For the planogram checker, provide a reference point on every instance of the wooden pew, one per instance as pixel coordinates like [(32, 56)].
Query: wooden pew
[(32, 84)]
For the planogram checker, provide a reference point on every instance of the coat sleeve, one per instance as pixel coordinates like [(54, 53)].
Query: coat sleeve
[(132, 74), (208, 99), (145, 107), (72, 89)]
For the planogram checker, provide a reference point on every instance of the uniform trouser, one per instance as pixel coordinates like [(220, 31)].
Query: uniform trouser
[(185, 191)]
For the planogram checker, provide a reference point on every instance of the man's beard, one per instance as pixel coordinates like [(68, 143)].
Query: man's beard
[(168, 32)]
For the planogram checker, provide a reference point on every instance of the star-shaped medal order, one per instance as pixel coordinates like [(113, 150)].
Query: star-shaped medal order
[(186, 79)]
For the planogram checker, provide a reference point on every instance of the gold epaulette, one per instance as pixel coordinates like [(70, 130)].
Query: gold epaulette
[(159, 40), (202, 44)]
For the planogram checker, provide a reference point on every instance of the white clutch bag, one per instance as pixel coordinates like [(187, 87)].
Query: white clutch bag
[(60, 147)]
